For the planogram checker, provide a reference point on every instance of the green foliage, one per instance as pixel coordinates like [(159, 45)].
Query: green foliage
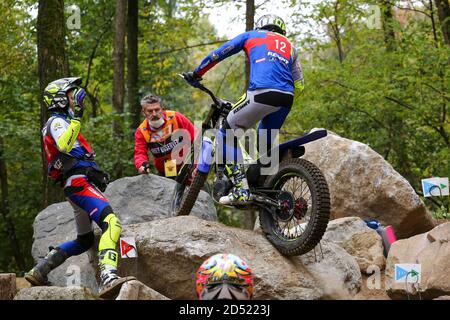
[(230, 217), (395, 101), (19, 127), (441, 213)]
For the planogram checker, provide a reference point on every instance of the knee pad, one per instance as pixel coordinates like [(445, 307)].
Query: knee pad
[(85, 240), (111, 229)]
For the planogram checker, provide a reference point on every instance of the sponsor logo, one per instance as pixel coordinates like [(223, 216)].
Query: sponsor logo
[(205, 64), (277, 56), (240, 107), (164, 149), (57, 125), (227, 49), (58, 164)]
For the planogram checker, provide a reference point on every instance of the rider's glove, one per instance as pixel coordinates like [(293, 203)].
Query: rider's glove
[(78, 106), (145, 167), (192, 77)]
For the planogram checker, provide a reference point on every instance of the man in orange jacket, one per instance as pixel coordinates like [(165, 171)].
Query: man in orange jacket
[(157, 135)]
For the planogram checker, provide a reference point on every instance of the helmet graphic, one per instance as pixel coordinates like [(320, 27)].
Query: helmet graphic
[(224, 276), (55, 94), (271, 22)]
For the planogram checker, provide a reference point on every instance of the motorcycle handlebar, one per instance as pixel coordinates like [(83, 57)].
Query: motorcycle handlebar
[(204, 89)]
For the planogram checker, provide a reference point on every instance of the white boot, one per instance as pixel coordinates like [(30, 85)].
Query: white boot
[(240, 193)]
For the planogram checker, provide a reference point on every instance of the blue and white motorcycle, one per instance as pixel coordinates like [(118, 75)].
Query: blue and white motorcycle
[(293, 202)]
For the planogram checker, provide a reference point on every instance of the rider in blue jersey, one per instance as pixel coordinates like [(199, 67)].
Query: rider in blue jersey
[(275, 78)]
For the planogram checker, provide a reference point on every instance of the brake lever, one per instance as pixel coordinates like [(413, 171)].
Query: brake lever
[(197, 85)]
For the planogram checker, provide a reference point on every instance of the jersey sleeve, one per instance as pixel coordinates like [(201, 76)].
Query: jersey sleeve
[(186, 124), (297, 73), (140, 149), (226, 50), (65, 134)]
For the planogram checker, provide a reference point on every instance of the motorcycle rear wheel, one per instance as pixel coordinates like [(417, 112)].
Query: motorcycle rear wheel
[(300, 227)]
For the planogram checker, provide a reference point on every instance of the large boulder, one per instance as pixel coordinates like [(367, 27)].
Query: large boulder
[(136, 290), (360, 241), (171, 250), (135, 199), (55, 293), (53, 226), (432, 251), (363, 184), (148, 197)]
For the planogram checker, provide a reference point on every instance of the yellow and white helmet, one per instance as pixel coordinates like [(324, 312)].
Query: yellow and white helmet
[(271, 22), (55, 94)]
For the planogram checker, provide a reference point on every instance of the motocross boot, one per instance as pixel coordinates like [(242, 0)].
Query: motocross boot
[(38, 275), (240, 192), (110, 282)]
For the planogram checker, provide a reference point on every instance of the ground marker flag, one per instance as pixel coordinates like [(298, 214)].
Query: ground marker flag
[(408, 272), (435, 187), (128, 248)]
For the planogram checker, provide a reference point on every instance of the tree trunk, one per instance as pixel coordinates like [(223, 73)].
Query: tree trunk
[(388, 24), (119, 62), (4, 207), (444, 18), (119, 72), (250, 215), (338, 39), (249, 25), (133, 72), (337, 32), (433, 23), (52, 64)]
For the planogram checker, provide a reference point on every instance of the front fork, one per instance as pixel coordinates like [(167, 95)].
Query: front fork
[(207, 156)]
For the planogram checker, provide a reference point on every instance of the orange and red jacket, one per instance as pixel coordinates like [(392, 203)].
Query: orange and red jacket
[(159, 142)]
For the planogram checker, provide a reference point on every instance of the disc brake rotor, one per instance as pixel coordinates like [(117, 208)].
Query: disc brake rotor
[(286, 202), (301, 208)]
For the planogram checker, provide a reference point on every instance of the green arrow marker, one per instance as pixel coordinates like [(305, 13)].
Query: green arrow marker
[(414, 273), (443, 186)]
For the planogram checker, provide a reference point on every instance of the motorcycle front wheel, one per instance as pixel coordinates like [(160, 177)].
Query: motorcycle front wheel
[(184, 196)]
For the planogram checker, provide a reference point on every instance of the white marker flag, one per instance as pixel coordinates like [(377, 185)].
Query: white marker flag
[(408, 272), (435, 187), (128, 248)]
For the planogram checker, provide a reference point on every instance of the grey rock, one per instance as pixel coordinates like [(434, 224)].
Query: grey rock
[(360, 241), (336, 271), (145, 198), (136, 290), (170, 252), (365, 185), (432, 251), (55, 293)]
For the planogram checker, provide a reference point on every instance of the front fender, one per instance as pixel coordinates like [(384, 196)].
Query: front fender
[(207, 155)]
